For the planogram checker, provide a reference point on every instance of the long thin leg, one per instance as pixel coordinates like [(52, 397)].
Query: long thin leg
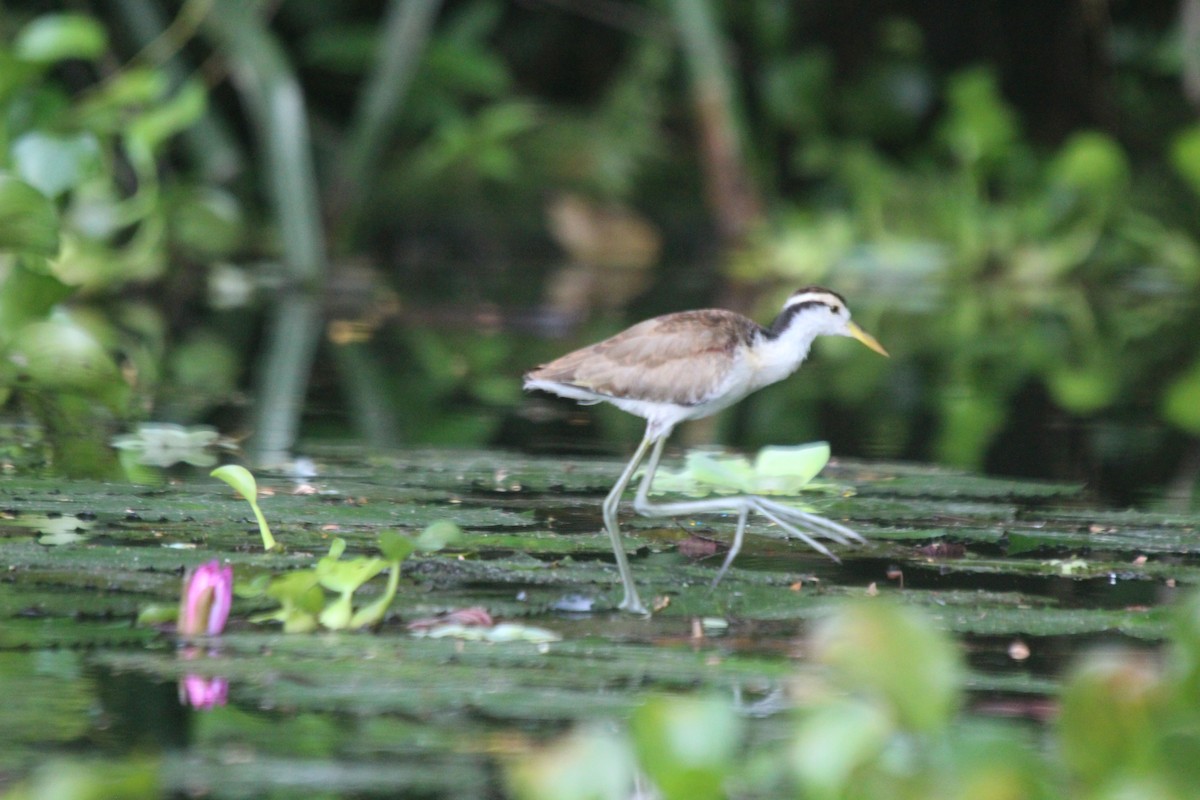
[(789, 519), (632, 602)]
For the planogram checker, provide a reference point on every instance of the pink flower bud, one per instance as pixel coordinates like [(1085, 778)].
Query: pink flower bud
[(207, 596)]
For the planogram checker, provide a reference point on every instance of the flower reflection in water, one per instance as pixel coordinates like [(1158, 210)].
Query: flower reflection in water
[(202, 691), (203, 610)]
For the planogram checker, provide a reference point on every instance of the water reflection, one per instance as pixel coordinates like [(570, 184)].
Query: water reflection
[(201, 692)]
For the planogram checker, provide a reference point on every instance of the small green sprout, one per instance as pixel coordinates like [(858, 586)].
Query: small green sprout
[(244, 484), (304, 604)]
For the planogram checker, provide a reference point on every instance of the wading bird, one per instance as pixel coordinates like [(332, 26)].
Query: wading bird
[(689, 365)]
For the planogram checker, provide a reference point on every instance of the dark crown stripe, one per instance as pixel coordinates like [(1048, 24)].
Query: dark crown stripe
[(782, 322)]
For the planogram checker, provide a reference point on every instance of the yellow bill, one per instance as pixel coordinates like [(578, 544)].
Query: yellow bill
[(865, 338)]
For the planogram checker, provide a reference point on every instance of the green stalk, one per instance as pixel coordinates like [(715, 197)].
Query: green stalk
[(276, 104), (730, 187), (401, 42)]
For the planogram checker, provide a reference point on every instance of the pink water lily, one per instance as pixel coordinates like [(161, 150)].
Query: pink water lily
[(207, 597)]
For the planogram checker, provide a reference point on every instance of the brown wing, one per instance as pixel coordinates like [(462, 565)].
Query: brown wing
[(677, 358)]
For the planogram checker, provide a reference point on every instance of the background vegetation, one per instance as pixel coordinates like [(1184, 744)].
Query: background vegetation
[(323, 219)]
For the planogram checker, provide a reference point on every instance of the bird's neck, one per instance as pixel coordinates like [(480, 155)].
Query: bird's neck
[(779, 354)]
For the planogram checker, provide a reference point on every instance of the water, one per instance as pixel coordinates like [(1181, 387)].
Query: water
[(357, 714)]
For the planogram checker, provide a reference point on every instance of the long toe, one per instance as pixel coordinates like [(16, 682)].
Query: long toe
[(813, 522), (795, 532)]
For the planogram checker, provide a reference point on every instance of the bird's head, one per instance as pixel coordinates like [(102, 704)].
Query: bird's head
[(822, 313)]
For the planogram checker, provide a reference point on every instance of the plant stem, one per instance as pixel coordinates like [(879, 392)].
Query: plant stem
[(276, 104)]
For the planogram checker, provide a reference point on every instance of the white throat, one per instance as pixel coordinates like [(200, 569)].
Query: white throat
[(778, 357)]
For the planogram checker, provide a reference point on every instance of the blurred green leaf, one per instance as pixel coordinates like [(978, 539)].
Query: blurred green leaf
[(589, 764), (60, 356), (395, 546), (28, 220), (206, 220), (438, 535), (1085, 389), (153, 127), (1185, 156), (835, 740), (687, 745), (57, 37), (999, 760), (892, 654), (1181, 400), (25, 296), (979, 127), (54, 164), (1093, 165), (1109, 724)]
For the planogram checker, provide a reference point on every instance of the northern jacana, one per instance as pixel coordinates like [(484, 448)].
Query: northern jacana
[(689, 365)]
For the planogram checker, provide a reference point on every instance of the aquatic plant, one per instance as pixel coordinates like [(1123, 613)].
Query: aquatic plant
[(244, 484), (304, 605)]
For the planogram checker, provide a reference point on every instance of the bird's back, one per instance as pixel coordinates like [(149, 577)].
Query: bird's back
[(683, 359)]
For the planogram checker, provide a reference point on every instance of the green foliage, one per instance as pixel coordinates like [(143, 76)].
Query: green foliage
[(304, 605), (1008, 265), (686, 745), (881, 720), (894, 657), (59, 37), (81, 213), (28, 219), (134, 778)]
